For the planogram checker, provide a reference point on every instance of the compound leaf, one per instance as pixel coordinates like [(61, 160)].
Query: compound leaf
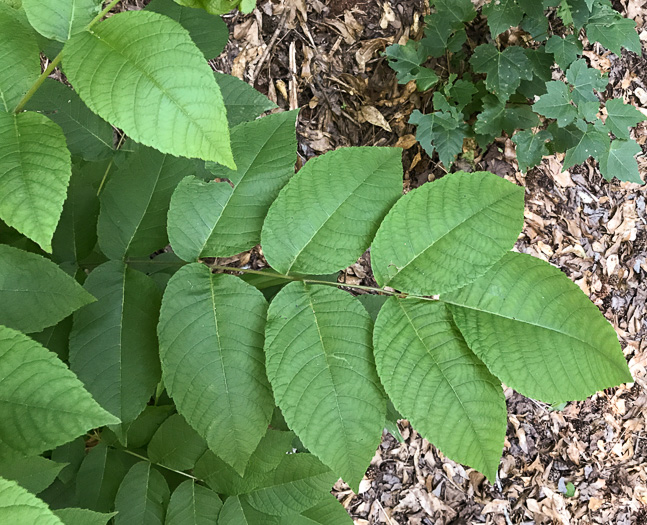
[(176, 445), (566, 50), (193, 504), (135, 203), (464, 223), (326, 216), (19, 506), (620, 161), (34, 292), (214, 220), (504, 70), (621, 116), (211, 344), (437, 383), (242, 101), (60, 19), (556, 103), (142, 497), (36, 418), (531, 147), (35, 168), (131, 53), (537, 332), (209, 32), (113, 348), (320, 365)]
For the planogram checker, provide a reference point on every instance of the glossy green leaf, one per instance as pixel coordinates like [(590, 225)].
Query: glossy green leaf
[(326, 216), (19, 59), (537, 332), (531, 148), (464, 223), (35, 168), (407, 62), (74, 516), (60, 19), (504, 70), (502, 15), (566, 50), (209, 32), (320, 365), (242, 101), (87, 135), (593, 143), (556, 103), (438, 384), (298, 482), (184, 114), (33, 473), (193, 504), (442, 131), (34, 418), (17, 506), (142, 497), (215, 220), (211, 345), (176, 445), (621, 116), (113, 348), (34, 292), (620, 161), (135, 202)]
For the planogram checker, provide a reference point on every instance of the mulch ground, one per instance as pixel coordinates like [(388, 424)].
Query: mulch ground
[(583, 464)]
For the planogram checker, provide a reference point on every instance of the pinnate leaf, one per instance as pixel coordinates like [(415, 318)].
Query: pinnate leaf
[(142, 497), (36, 418), (113, 348), (320, 365), (465, 222), (35, 168), (131, 53), (326, 216), (620, 161), (214, 220), (34, 292), (19, 506), (193, 504), (621, 116), (537, 332), (437, 383), (211, 345)]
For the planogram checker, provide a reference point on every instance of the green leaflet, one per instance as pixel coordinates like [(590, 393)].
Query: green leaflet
[(176, 445), (113, 348), (531, 148), (142, 497), (620, 161), (556, 103), (566, 50), (464, 223), (33, 473), (214, 220), (87, 135), (621, 116), (34, 292), (60, 19), (19, 506), (36, 418), (19, 61), (211, 346), (184, 114), (209, 32), (407, 62), (135, 203), (74, 516), (437, 383), (242, 101), (442, 131), (298, 482), (326, 216), (537, 332), (504, 70), (236, 511), (327, 512), (35, 169), (501, 15), (320, 365), (193, 504), (138, 433)]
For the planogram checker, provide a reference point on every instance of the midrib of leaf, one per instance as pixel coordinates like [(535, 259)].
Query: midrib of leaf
[(221, 358), (88, 130), (69, 29), (323, 224), (445, 378), (121, 341), (143, 70), (463, 221)]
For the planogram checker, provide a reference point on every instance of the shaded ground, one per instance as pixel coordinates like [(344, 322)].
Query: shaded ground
[(324, 57)]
